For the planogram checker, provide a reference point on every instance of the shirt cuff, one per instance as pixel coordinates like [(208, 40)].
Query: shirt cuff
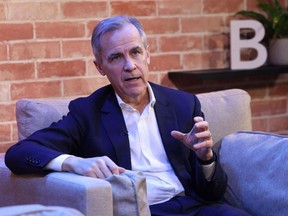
[(56, 163), (208, 170)]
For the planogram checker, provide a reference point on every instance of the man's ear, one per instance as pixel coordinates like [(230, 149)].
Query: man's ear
[(98, 66)]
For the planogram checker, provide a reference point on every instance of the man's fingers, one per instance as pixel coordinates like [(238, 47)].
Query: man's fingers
[(198, 119), (112, 167), (97, 167)]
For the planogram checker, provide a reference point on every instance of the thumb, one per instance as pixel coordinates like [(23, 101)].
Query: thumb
[(121, 170), (178, 135)]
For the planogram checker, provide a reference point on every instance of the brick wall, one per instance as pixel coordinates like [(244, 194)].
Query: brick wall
[(45, 50)]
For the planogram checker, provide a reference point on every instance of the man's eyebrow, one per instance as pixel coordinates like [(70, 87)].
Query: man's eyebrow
[(137, 48), (112, 55)]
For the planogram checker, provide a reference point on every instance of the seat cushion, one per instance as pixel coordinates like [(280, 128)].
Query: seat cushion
[(256, 165)]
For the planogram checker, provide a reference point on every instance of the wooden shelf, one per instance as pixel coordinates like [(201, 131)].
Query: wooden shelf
[(227, 73)]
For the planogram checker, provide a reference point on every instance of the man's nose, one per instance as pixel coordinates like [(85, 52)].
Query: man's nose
[(129, 65)]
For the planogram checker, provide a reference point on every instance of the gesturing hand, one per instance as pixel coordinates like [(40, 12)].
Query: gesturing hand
[(201, 141), (97, 167)]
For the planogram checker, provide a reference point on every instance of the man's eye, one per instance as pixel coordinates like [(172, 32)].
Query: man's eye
[(115, 58), (136, 52)]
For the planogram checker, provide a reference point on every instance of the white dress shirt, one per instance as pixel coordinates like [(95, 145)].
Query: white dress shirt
[(148, 154)]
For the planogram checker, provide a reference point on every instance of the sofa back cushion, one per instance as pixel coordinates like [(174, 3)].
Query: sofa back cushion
[(35, 114), (226, 111)]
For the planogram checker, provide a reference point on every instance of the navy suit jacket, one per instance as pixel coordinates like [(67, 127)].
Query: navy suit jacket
[(95, 127)]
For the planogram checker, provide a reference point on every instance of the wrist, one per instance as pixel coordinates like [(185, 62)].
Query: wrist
[(68, 164), (208, 161)]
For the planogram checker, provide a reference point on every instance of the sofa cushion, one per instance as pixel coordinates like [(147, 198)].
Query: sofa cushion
[(226, 111), (38, 210), (35, 114), (129, 194), (255, 163)]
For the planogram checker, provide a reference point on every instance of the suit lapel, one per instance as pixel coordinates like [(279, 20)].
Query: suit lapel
[(113, 122), (167, 121), (176, 152)]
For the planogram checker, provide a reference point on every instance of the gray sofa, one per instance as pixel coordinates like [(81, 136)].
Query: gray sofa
[(254, 161)]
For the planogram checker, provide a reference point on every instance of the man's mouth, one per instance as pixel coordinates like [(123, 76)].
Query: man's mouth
[(132, 78)]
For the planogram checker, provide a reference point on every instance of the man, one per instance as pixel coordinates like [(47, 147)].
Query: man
[(132, 124)]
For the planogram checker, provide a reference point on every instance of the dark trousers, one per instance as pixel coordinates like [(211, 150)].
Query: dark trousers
[(181, 205)]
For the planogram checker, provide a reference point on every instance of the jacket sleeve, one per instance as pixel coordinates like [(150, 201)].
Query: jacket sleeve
[(32, 154), (215, 188)]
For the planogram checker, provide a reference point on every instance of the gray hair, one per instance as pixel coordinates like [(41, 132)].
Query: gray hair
[(112, 24)]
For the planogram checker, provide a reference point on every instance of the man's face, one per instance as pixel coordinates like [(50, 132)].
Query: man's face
[(125, 62)]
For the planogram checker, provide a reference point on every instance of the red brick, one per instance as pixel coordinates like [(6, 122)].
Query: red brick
[(269, 107), (91, 69), (4, 91), (252, 5), (60, 30), (281, 89), (16, 31), (260, 124), (87, 9), (77, 48), (2, 12), (213, 59), (61, 68), (83, 86), (203, 24), (223, 6), (192, 61), (279, 123), (7, 112), (179, 7), (165, 81), (257, 93), (153, 45), (91, 25), (165, 62), (36, 90), (5, 132), (160, 25), (136, 8), (14, 131), (3, 52), (153, 77), (180, 43), (16, 71), (34, 50), (216, 41), (32, 10)]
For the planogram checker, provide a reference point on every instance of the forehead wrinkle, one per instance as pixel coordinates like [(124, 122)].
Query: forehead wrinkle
[(131, 35)]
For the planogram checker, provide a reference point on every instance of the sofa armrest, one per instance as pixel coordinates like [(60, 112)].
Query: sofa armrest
[(255, 163), (88, 195)]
